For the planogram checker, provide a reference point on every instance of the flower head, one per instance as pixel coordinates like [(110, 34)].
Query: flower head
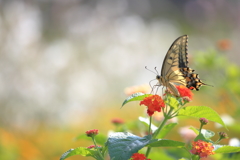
[(92, 133), (93, 146), (154, 103), (138, 156), (184, 92), (223, 135), (203, 121), (145, 88), (224, 44), (202, 148), (117, 121)]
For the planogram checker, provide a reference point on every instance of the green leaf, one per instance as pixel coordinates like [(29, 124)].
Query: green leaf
[(172, 102), (201, 137), (121, 145), (226, 149), (100, 138), (165, 130), (135, 97), (165, 143), (202, 112), (79, 151), (206, 133)]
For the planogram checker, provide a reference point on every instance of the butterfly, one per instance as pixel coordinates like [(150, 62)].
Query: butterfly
[(175, 68)]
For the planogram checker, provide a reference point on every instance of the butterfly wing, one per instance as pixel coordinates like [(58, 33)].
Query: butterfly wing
[(175, 68), (175, 58)]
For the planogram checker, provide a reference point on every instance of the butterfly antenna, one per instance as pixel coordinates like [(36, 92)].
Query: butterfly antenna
[(150, 70), (156, 70), (208, 85)]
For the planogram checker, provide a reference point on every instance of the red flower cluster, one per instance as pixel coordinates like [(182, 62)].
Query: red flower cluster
[(117, 121), (92, 133), (185, 92), (202, 148), (138, 156), (154, 103), (92, 146)]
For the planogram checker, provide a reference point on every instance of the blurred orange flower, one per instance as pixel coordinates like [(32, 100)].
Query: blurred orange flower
[(154, 103), (187, 134), (117, 121), (224, 44), (202, 148), (145, 88)]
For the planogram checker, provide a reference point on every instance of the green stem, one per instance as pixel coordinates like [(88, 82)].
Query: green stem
[(148, 151), (97, 148), (159, 129), (150, 122), (218, 140), (179, 108), (200, 129), (163, 123)]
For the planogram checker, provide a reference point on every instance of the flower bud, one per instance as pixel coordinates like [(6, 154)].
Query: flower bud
[(203, 121), (92, 133)]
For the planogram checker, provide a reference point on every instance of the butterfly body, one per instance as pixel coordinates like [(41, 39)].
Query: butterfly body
[(175, 68)]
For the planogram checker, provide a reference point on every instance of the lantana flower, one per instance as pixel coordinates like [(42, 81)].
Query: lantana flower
[(202, 148), (144, 88), (224, 44), (93, 146), (203, 121), (117, 121), (223, 135), (92, 133), (184, 92), (154, 103), (139, 156)]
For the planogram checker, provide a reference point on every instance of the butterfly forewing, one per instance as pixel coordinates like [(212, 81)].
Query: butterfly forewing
[(176, 56)]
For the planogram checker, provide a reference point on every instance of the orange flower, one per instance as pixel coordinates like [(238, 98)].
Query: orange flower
[(92, 133), (138, 156), (145, 88), (224, 44), (184, 92), (202, 148), (154, 103), (117, 121)]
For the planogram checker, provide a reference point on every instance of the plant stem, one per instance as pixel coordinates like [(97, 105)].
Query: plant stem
[(148, 151), (218, 140), (162, 124), (97, 148), (159, 129), (150, 123), (200, 129)]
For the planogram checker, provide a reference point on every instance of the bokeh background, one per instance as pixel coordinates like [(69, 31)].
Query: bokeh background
[(64, 66)]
